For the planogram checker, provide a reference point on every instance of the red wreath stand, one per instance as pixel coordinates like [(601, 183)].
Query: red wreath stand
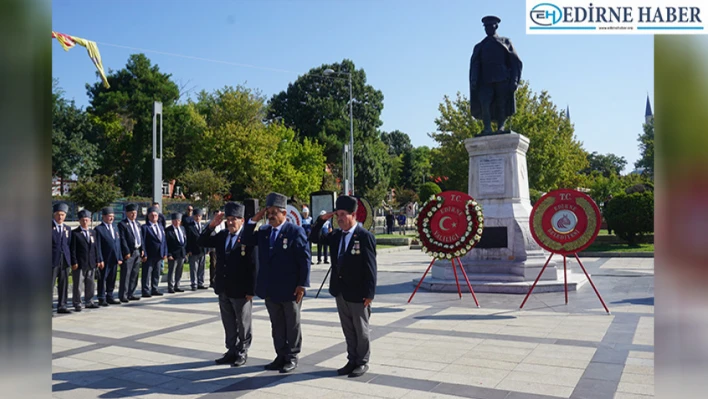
[(565, 219), (449, 225)]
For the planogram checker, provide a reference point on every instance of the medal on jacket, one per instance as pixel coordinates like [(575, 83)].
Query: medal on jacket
[(285, 243), (243, 250), (67, 233), (91, 239), (356, 249)]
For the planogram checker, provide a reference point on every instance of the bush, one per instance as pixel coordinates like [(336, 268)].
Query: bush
[(95, 193), (427, 190), (535, 195), (631, 215)]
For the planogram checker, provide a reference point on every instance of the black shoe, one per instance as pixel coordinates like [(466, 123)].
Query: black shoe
[(179, 290), (113, 301), (359, 371), (276, 364), (289, 366), (102, 302), (133, 298), (63, 311), (240, 361), (124, 300), (194, 288), (226, 359), (201, 287), (346, 369), (92, 306), (156, 293), (170, 291), (326, 263), (77, 308)]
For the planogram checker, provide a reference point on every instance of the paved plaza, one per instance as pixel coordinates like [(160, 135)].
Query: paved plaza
[(438, 346)]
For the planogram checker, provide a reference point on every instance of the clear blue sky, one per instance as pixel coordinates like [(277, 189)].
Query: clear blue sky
[(415, 52)]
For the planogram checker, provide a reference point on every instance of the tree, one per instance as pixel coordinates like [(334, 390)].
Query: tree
[(554, 158), (427, 190), (416, 166), (127, 108), (205, 187), (317, 107), (96, 192), (606, 164), (398, 142), (646, 148), (72, 154)]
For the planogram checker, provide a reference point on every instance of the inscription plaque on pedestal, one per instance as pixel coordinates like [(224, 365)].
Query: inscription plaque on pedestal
[(491, 175)]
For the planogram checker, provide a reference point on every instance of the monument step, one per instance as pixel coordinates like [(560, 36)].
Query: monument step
[(575, 281)]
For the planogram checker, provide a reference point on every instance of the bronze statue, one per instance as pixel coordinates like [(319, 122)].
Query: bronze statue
[(495, 71)]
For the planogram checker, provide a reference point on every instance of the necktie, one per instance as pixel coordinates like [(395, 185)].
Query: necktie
[(199, 227), (110, 228), (179, 236), (343, 245), (136, 233), (86, 234), (231, 242), (157, 231), (273, 235)]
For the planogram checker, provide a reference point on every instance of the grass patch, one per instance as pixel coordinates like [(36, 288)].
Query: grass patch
[(595, 247), (397, 235), (387, 246)]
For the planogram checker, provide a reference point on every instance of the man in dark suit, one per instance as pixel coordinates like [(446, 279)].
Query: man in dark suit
[(176, 252), (131, 248), (234, 281), (353, 281), (154, 252), (283, 274), (195, 252), (61, 254), (112, 257), (85, 258), (160, 216)]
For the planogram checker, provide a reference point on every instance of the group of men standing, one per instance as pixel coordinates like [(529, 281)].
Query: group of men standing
[(94, 255), (272, 262)]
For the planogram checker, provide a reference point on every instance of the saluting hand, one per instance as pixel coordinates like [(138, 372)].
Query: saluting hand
[(327, 216), (218, 218), (258, 216)]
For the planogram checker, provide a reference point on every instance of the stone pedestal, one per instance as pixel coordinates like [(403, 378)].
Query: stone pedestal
[(507, 259)]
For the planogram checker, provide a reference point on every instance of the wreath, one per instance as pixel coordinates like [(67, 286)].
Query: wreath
[(440, 250)]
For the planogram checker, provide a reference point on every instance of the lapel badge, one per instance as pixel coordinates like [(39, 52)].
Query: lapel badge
[(285, 243), (54, 228)]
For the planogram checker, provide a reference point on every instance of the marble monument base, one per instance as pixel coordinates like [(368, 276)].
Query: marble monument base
[(507, 259)]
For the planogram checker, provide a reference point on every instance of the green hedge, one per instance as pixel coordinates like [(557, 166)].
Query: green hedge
[(427, 190), (631, 216)]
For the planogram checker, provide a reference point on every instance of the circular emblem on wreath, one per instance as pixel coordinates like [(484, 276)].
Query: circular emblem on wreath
[(450, 224), (565, 221), (364, 214)]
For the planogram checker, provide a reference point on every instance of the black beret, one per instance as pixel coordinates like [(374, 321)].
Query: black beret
[(176, 215), (346, 203), (60, 207), (234, 209), (198, 212), (107, 210), (153, 209), (131, 207), (490, 19), (277, 200), (84, 213)]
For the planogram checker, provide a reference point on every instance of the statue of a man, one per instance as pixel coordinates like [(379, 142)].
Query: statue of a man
[(495, 71)]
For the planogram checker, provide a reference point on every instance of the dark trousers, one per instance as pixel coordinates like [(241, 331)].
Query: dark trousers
[(107, 281), (402, 229), (285, 328), (129, 275), (322, 246), (150, 278), (196, 269), (83, 278), (389, 229), (174, 272), (354, 318), (60, 277), (212, 267), (236, 318), (494, 94)]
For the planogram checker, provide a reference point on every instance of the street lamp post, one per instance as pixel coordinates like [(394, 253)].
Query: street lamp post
[(350, 176)]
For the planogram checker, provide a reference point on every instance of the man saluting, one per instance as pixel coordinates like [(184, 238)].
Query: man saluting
[(283, 274), (234, 281), (353, 281)]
